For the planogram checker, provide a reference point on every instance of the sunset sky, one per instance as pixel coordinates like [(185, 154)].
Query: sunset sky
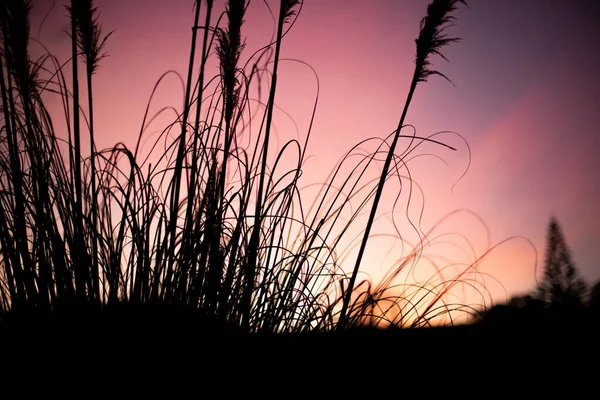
[(524, 96)]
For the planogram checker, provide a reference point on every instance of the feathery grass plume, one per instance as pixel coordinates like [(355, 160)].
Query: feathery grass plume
[(430, 41), (229, 48), (90, 40), (91, 46), (16, 35), (289, 10), (432, 37)]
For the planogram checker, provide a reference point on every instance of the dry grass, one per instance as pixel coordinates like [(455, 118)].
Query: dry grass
[(203, 221)]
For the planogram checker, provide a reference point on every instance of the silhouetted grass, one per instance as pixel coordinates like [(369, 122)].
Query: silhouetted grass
[(203, 221)]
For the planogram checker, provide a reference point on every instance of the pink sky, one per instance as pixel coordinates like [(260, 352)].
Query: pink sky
[(525, 99)]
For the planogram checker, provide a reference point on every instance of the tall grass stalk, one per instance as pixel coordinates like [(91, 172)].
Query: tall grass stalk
[(430, 42), (200, 219), (81, 276), (177, 173), (91, 43), (286, 10)]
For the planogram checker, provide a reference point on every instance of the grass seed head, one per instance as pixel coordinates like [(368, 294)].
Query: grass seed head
[(432, 36)]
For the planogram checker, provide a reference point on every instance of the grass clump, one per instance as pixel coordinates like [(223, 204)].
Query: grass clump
[(204, 222)]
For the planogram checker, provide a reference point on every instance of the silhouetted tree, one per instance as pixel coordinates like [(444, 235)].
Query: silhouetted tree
[(560, 285)]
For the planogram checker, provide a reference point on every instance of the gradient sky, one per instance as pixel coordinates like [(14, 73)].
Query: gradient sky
[(525, 98)]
